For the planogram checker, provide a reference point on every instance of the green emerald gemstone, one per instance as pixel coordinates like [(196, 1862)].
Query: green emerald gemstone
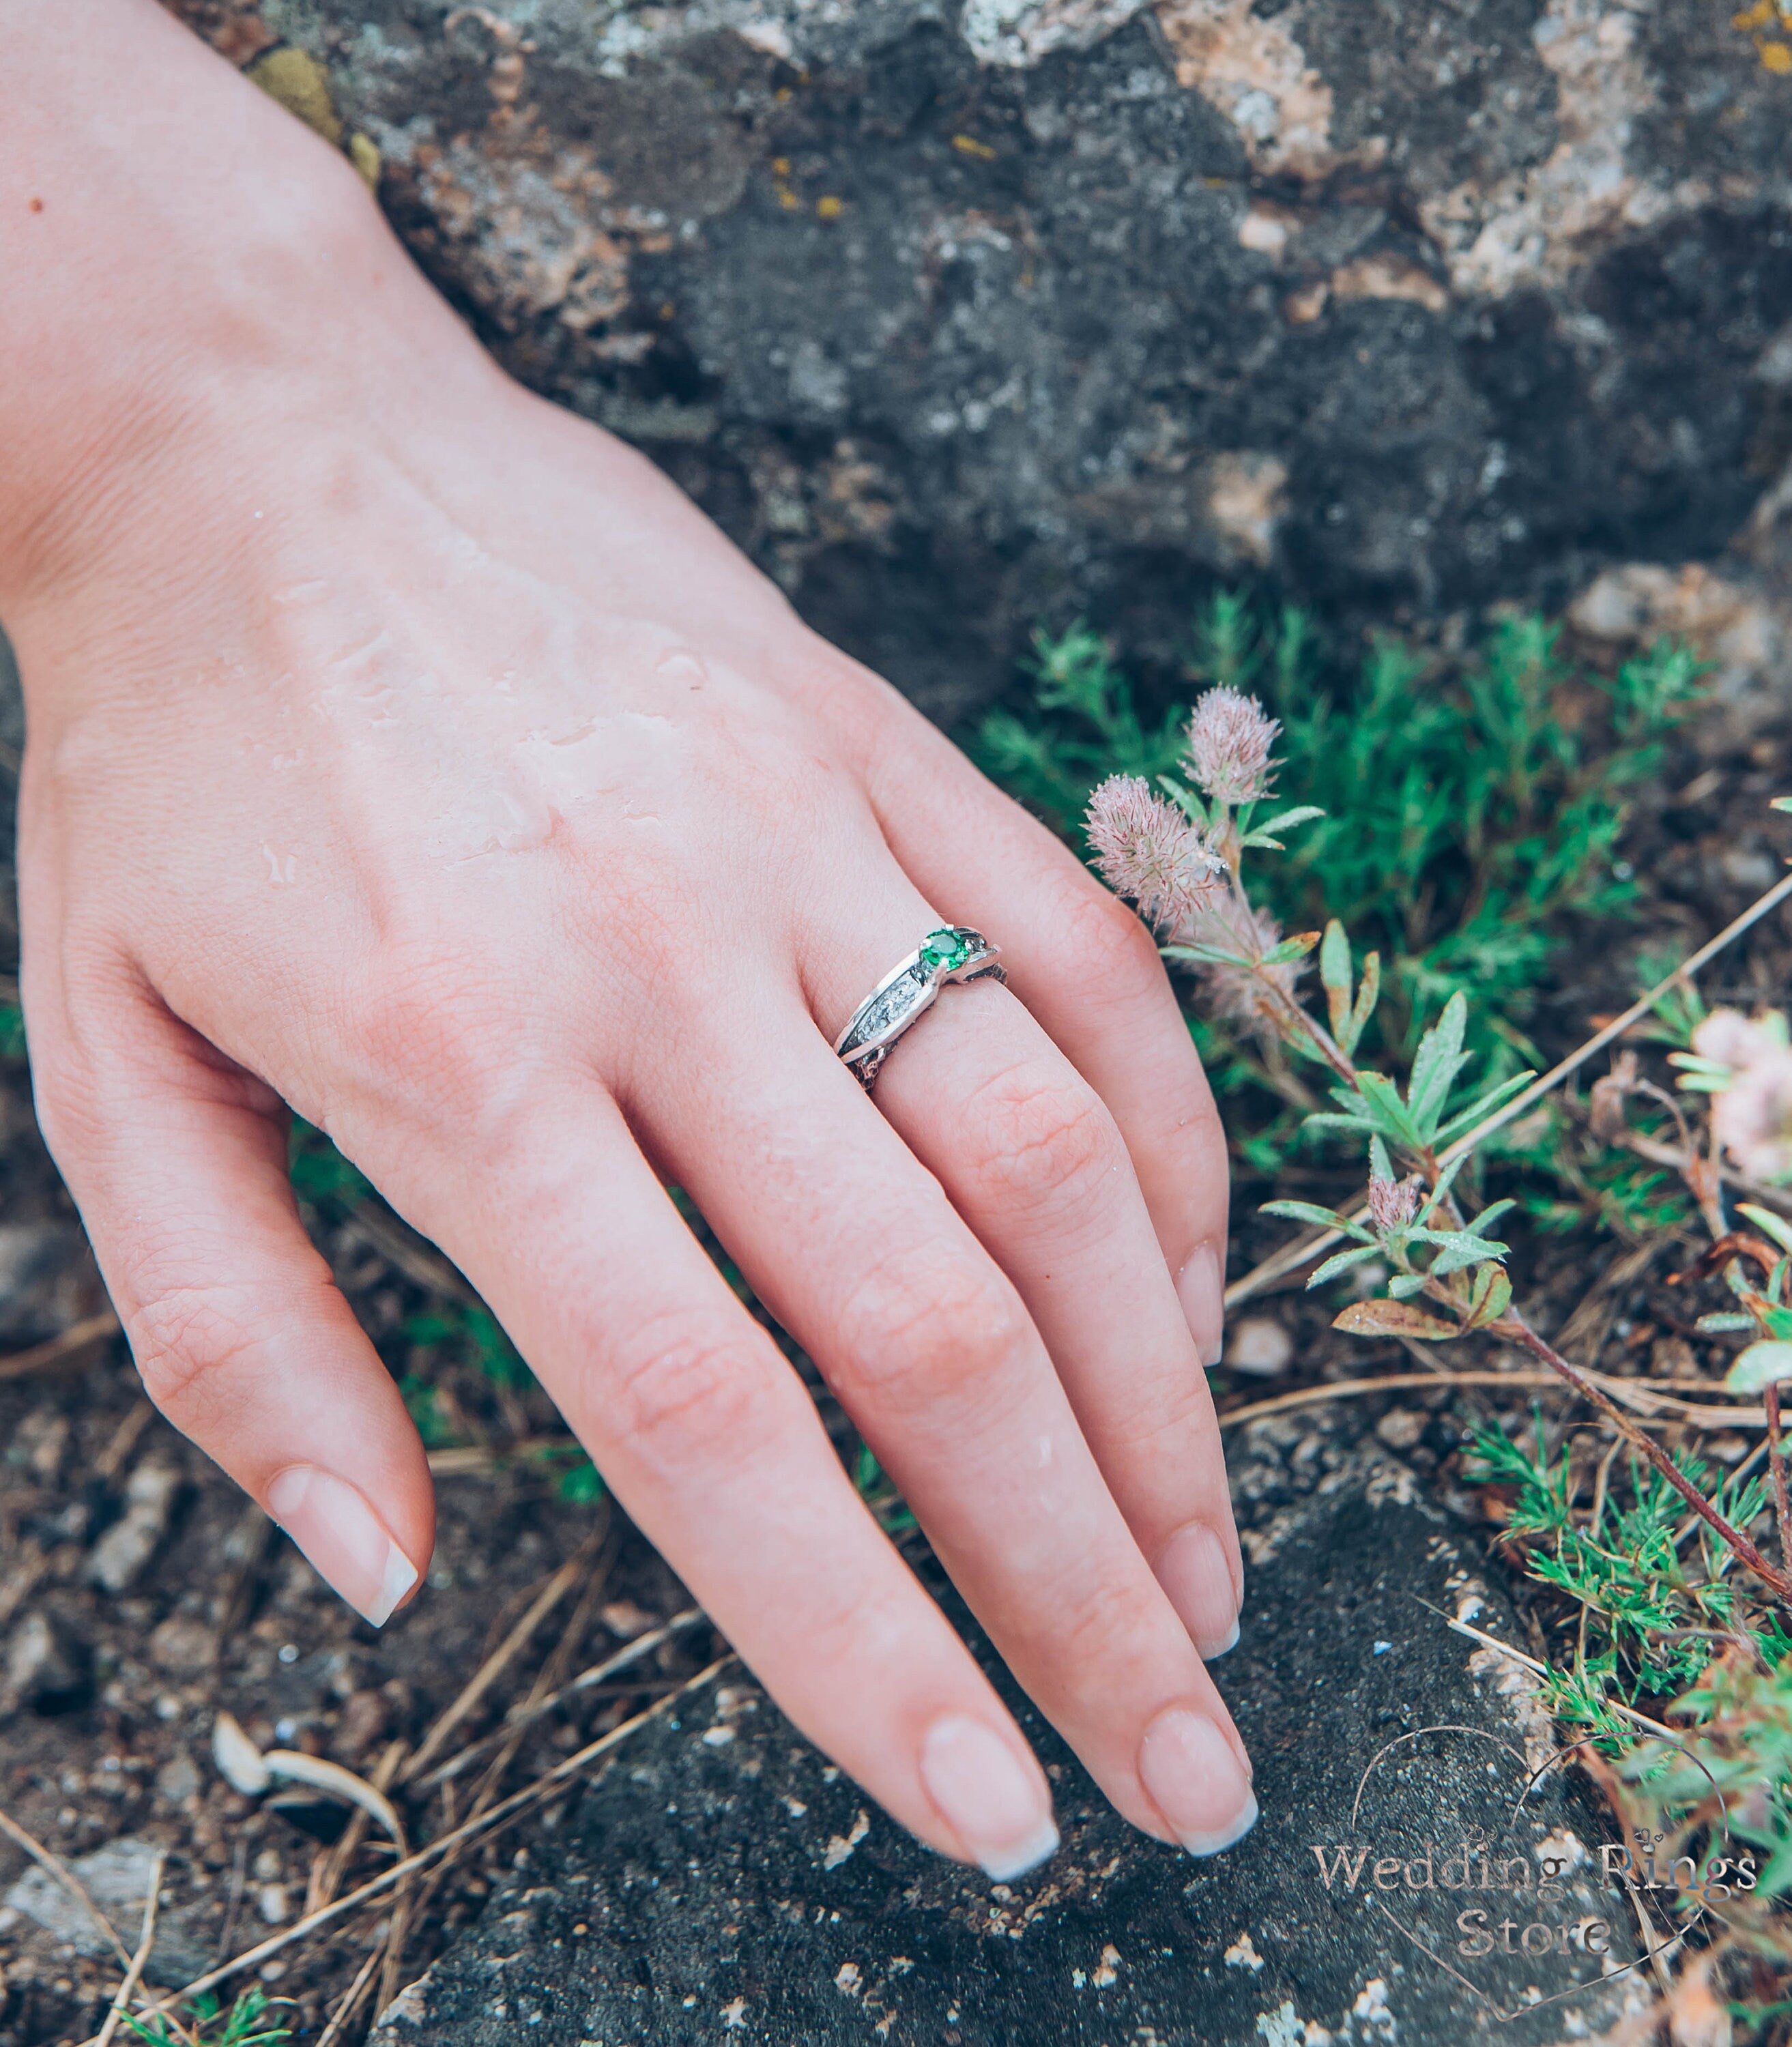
[(944, 949)]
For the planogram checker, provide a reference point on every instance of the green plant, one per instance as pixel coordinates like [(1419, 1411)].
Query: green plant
[(1657, 1590), (1664, 1566), (246, 2023), (320, 1175), (1473, 804)]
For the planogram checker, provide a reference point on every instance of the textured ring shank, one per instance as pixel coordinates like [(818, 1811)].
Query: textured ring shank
[(908, 990)]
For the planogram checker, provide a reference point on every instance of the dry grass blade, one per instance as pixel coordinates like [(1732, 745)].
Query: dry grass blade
[(133, 1973), (1633, 1393), (1541, 1670), (54, 1866), (65, 1351), (343, 2016), (1280, 1264), (547, 1683), (124, 1438), (332, 1863), (32, 1562), (643, 1645), (544, 1788), (1394, 1382), (511, 1646)]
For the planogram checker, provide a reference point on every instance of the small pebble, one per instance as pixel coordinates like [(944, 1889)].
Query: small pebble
[(1258, 1344), (1401, 1429)]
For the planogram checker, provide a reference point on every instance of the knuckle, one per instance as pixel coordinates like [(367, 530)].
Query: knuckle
[(1035, 1134), (1110, 942), (186, 1338), (914, 1331), (436, 1013), (685, 1385)]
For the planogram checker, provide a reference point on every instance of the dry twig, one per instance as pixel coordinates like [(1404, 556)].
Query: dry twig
[(544, 1788), (133, 1973), (597, 1674), (343, 2016), (513, 1645), (53, 1866), (80, 1344)]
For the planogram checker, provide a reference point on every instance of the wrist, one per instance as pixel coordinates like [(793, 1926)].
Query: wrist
[(189, 270)]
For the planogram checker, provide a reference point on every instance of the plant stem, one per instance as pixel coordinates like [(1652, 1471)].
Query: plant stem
[(1516, 1329), (1776, 1462)]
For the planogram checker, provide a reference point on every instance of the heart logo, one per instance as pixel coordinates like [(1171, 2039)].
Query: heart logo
[(1450, 1844)]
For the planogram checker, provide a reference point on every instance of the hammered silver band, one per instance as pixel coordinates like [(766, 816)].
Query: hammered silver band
[(953, 953)]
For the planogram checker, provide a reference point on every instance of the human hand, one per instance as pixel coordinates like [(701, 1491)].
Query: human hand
[(406, 751)]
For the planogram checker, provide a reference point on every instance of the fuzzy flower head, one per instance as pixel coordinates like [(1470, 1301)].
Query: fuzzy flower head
[(1229, 741), (1146, 849), (1393, 1204), (1752, 1110)]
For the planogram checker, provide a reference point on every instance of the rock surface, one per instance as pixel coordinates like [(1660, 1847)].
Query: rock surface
[(960, 315), (721, 1882)]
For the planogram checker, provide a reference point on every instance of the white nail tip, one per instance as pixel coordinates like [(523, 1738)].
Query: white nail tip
[(1039, 1846), (397, 1579), (1213, 1844), (1221, 1648)]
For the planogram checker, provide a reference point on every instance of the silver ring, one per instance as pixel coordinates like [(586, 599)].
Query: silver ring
[(953, 953)]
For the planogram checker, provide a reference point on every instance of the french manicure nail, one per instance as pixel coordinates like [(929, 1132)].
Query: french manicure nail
[(1194, 1774), (342, 1539), (996, 1806), (1201, 1291), (1194, 1571)]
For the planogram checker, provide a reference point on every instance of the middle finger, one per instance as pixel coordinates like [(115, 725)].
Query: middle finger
[(856, 1249)]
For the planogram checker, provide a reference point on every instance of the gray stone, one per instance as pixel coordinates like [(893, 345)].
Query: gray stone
[(119, 1558), (48, 1667), (962, 315), (48, 1278), (722, 1882), (116, 1876)]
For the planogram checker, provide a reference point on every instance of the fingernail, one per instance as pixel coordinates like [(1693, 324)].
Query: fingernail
[(342, 1539), (1193, 1773), (996, 1806), (1199, 1288), (1196, 1573)]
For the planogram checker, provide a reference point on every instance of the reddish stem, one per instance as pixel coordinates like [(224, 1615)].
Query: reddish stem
[(1516, 1329), (1776, 1460)]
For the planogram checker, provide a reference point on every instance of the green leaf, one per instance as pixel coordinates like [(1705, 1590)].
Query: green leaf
[(1364, 1008), (1204, 955), (1479, 1225), (1780, 803), (1297, 947), (1185, 800), (1335, 972), (1723, 1325), (1439, 1059), (1302, 814), (1403, 1284), (1761, 1364), (1381, 1165), (1764, 1220), (1310, 1211), (1393, 1318), (1446, 1179), (1386, 1111), (1341, 1261), (1461, 1251), (1490, 1296), (1460, 1125)]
